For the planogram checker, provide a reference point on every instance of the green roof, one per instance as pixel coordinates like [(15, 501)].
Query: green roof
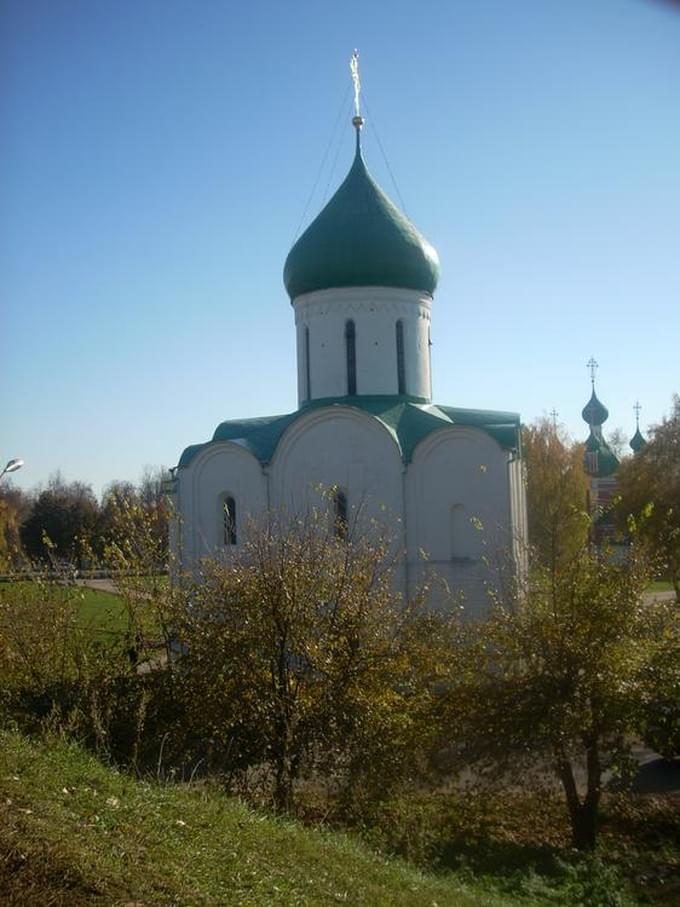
[(607, 462), (408, 420), (360, 239)]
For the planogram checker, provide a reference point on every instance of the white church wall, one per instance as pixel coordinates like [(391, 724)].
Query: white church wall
[(375, 312), (458, 511), (345, 447), (221, 470)]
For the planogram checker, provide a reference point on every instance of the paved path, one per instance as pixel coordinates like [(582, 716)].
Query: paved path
[(659, 596), (103, 585)]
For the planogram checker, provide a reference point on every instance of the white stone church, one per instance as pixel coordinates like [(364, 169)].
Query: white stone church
[(448, 481)]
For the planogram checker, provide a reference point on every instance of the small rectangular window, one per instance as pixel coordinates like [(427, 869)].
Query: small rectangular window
[(229, 521), (401, 368), (351, 354), (340, 515)]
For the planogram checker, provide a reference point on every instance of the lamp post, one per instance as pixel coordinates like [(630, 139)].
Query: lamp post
[(12, 466)]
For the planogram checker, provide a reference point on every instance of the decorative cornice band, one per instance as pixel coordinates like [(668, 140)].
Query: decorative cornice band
[(362, 300)]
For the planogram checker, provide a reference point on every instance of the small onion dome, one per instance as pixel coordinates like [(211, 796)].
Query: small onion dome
[(604, 462), (594, 412), (637, 442), (360, 239)]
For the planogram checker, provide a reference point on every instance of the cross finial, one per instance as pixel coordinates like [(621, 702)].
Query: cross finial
[(637, 409), (592, 365), (553, 415), (357, 119)]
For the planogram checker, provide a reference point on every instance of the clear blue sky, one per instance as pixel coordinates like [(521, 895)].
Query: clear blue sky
[(156, 157)]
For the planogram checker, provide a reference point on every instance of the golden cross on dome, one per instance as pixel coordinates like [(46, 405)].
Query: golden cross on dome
[(592, 365), (553, 415)]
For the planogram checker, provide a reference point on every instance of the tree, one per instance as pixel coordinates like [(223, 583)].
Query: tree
[(14, 507), (618, 443), (154, 501), (661, 724), (557, 680), (148, 499), (303, 657), (649, 486), (116, 497), (133, 550), (66, 515), (557, 489)]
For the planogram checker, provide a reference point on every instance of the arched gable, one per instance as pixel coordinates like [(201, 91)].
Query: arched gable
[(338, 446), (220, 470), (447, 433), (458, 504)]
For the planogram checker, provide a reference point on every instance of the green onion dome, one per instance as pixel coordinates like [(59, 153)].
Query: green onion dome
[(360, 239), (605, 462), (637, 442), (594, 412)]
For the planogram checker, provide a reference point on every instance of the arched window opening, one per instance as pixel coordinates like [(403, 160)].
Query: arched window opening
[(308, 373), (429, 356), (229, 520), (351, 354), (340, 514), (401, 368)]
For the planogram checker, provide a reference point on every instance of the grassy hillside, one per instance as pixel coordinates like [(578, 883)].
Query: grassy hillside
[(75, 832)]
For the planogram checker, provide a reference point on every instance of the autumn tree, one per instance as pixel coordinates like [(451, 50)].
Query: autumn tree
[(133, 551), (14, 507), (557, 680), (560, 674), (147, 499), (154, 501), (301, 656), (115, 498), (661, 723), (649, 487), (557, 488)]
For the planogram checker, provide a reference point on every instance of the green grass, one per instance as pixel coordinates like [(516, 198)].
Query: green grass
[(76, 832), (660, 586), (97, 611), (107, 614), (100, 610), (517, 842)]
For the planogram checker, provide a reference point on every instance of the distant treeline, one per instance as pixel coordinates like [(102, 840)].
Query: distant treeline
[(66, 522)]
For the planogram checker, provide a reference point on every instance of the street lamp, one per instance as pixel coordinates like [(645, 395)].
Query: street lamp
[(12, 466)]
